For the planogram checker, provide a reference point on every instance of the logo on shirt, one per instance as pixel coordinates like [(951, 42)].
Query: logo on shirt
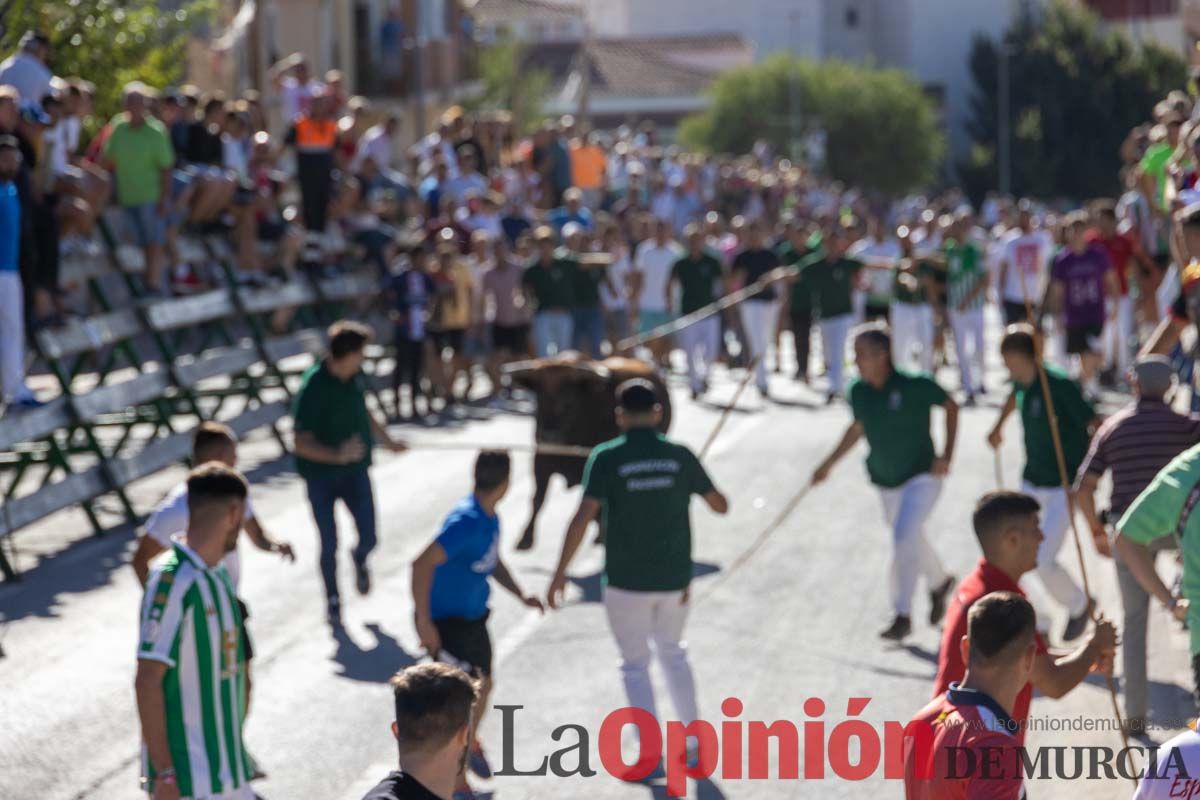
[(487, 564), (895, 400)]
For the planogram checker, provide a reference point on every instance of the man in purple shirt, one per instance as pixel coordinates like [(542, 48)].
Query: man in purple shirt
[(1081, 279)]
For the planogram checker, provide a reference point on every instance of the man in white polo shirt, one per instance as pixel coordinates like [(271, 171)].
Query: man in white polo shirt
[(652, 263)]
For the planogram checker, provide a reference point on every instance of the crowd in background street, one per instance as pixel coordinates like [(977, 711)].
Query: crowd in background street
[(491, 246)]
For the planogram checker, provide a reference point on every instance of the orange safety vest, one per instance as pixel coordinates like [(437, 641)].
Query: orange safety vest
[(315, 135)]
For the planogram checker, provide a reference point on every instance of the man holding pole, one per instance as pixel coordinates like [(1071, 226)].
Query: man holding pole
[(892, 409), (1067, 413)]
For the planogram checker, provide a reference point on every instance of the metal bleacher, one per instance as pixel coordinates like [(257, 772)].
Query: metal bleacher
[(138, 373)]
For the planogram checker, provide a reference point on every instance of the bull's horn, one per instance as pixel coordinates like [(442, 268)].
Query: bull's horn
[(515, 367), (594, 368)]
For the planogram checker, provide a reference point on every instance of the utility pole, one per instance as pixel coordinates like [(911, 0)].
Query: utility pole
[(794, 92), (1003, 113), (585, 77), (418, 51)]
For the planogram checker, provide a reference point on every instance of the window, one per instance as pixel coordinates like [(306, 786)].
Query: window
[(432, 24), (852, 17)]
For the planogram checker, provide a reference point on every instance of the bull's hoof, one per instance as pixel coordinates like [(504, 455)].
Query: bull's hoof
[(526, 542)]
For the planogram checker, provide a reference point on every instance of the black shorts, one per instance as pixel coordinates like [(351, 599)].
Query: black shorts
[(247, 646), (448, 340), (1014, 312), (513, 338), (466, 644), (1084, 340)]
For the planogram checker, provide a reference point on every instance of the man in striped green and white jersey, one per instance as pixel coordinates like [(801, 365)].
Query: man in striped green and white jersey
[(190, 692)]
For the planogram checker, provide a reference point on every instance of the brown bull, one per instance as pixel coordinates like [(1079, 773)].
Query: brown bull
[(576, 406)]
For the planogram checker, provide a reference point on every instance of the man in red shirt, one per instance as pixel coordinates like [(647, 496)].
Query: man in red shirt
[(1006, 524), (1121, 248), (975, 752)]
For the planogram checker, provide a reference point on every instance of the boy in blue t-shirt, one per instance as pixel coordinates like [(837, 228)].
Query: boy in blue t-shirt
[(450, 587)]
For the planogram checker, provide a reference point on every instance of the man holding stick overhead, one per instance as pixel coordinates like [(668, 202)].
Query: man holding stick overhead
[(891, 408)]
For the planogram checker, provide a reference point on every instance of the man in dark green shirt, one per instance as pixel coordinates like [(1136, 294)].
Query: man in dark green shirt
[(334, 431), (891, 408), (549, 283), (831, 277), (643, 483), (1041, 478), (589, 271), (699, 276), (800, 245), (914, 297)]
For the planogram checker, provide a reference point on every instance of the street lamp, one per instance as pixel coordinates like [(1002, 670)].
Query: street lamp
[(1004, 113)]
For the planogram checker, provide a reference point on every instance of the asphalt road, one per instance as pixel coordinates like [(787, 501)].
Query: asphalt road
[(797, 620)]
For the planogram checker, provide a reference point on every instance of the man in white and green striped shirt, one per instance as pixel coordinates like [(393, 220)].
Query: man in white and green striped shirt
[(966, 287), (190, 692)]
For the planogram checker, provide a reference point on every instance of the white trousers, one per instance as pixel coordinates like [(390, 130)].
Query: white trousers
[(701, 343), (1118, 336), (834, 332), (912, 329), (759, 318), (905, 508), (12, 337), (646, 622), (968, 347), (1055, 519)]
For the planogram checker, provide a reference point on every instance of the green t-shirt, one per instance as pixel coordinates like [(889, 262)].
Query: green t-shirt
[(1154, 162), (645, 483), (902, 294), (964, 273), (895, 419), (698, 280), (333, 411), (140, 155), (800, 298), (585, 283), (1074, 413), (553, 286), (1155, 513), (831, 283)]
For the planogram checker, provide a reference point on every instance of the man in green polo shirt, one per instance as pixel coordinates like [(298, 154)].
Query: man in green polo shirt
[(799, 245), (643, 483), (549, 283), (1167, 507), (891, 409), (831, 276), (334, 431), (1041, 478), (698, 275), (914, 296)]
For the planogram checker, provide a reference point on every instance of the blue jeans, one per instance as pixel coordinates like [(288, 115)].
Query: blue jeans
[(552, 332), (353, 489), (589, 331)]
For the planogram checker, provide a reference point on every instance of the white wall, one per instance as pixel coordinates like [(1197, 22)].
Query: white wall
[(768, 25), (942, 32)]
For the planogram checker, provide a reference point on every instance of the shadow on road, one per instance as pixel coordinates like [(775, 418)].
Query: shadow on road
[(376, 665)]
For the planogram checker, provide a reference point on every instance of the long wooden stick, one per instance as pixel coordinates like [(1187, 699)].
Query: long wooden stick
[(1056, 439), (712, 437), (704, 312)]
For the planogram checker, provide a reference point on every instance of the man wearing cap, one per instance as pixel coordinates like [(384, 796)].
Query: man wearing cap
[(139, 153), (549, 283), (1135, 444), (643, 484), (26, 70)]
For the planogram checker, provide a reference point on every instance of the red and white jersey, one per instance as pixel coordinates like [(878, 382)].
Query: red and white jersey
[(973, 753)]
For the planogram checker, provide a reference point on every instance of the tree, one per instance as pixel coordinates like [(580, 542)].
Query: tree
[(1076, 90), (109, 42), (880, 128), (508, 85)]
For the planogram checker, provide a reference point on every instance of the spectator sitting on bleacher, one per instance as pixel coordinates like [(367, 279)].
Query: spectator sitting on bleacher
[(39, 257), (62, 196), (13, 391), (76, 179), (138, 152), (202, 159), (26, 70)]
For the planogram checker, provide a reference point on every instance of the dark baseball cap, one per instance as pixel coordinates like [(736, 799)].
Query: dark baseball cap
[(637, 395)]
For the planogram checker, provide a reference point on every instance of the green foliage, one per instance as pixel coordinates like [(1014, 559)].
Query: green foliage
[(881, 129), (110, 42), (508, 85), (1075, 92)]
